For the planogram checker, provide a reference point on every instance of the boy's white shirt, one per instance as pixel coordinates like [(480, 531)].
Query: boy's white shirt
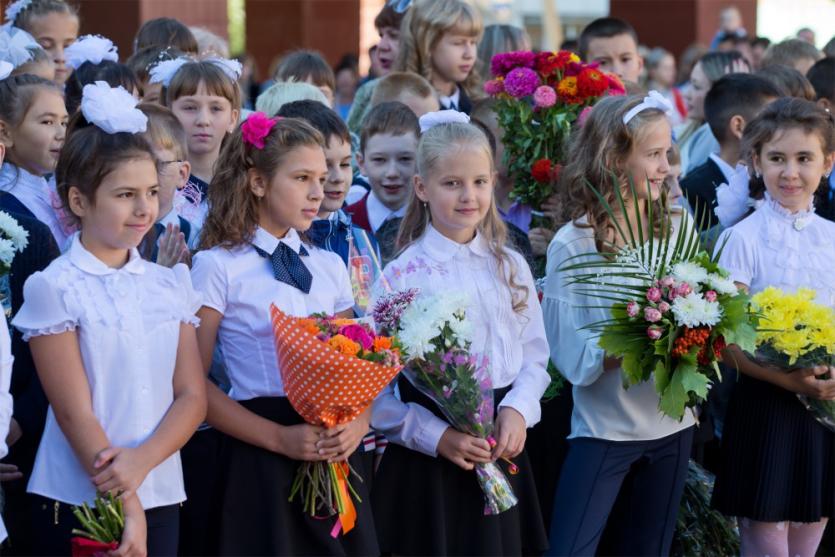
[(379, 213)]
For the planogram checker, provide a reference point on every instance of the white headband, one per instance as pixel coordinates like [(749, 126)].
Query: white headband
[(16, 46), (232, 68), (112, 109), (432, 119), (163, 72), (6, 69), (15, 8), (653, 100), (91, 48)]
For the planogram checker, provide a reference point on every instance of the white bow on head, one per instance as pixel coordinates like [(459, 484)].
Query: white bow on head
[(163, 72), (16, 46), (432, 119), (231, 68), (6, 69), (654, 99), (112, 109), (91, 48), (14, 9)]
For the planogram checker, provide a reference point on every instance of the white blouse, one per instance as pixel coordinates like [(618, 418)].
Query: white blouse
[(6, 404), (239, 283), (128, 326), (36, 195), (772, 247), (603, 408), (514, 343)]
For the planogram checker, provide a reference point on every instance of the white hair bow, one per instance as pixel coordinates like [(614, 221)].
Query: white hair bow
[(732, 199), (14, 9), (163, 72), (16, 46), (653, 100), (6, 69), (91, 48), (112, 109), (232, 68), (432, 119)]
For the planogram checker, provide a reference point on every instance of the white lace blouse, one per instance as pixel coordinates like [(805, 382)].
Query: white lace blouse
[(603, 408), (773, 247), (128, 326)]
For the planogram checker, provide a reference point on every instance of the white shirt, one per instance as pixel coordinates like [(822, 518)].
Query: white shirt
[(448, 101), (173, 218), (128, 326), (34, 192), (772, 247), (6, 404), (514, 342), (603, 409), (239, 283), (728, 171), (379, 213)]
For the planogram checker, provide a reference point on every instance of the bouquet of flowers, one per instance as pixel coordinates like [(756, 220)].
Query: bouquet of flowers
[(102, 527), (435, 336), (332, 370), (797, 333), (540, 94), (13, 239)]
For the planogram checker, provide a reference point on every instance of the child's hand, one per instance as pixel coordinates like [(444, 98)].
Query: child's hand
[(540, 238), (134, 542), (121, 470), (15, 433), (551, 207), (298, 442), (172, 247), (510, 433), (340, 442), (806, 382), (9, 473), (463, 450)]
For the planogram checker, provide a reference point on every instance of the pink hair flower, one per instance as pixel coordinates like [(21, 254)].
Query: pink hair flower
[(256, 128)]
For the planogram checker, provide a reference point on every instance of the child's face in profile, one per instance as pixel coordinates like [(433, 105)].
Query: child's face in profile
[(647, 164), (388, 48), (56, 31), (172, 174), (340, 174), (389, 164), (618, 55), (36, 142), (453, 58)]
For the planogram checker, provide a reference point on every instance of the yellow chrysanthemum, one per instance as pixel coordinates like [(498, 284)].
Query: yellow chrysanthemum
[(793, 323)]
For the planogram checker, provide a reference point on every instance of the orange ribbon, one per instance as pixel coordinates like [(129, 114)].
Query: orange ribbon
[(348, 513)]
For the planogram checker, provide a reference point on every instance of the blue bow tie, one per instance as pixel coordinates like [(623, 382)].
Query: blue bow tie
[(288, 267)]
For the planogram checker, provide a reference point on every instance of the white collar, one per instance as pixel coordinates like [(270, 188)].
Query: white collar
[(89, 263), (12, 176), (171, 217), (267, 242), (728, 171), (454, 98), (379, 213), (442, 249)]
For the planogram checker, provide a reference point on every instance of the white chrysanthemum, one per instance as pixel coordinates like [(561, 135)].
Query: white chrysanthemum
[(16, 233), (416, 332), (721, 284), (694, 311), (691, 273), (7, 251), (463, 329), (425, 318)]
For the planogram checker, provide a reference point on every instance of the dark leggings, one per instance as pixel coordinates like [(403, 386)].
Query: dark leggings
[(53, 521)]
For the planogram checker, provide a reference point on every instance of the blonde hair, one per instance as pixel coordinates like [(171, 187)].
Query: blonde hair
[(164, 130), (392, 86), (425, 24), (278, 94), (596, 151), (210, 44), (435, 145)]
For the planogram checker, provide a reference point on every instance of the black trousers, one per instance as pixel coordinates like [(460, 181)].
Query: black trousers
[(54, 522), (651, 475)]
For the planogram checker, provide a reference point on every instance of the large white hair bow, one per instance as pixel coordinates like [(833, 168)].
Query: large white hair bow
[(13, 9), (654, 99), (6, 69), (16, 46), (432, 119), (732, 199), (112, 109), (163, 72), (232, 68), (91, 48)]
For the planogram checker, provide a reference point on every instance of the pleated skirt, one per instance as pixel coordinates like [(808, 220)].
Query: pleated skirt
[(256, 516), (777, 463), (429, 506)]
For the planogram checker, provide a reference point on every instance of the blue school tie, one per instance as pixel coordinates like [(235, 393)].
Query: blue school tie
[(159, 230), (288, 267)]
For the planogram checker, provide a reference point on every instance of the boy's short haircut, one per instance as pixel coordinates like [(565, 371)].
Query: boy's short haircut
[(392, 118), (604, 28), (390, 87), (143, 60), (388, 17), (822, 78), (320, 116), (789, 81), (789, 51), (302, 64), (278, 94), (165, 32), (738, 93), (165, 130)]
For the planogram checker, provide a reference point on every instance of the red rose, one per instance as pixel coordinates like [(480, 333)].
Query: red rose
[(541, 171)]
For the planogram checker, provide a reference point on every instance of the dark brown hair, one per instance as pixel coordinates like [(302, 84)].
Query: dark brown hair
[(188, 78), (233, 207), (17, 93), (142, 61), (165, 32), (388, 17), (605, 28), (789, 81), (322, 118), (114, 73), (393, 118)]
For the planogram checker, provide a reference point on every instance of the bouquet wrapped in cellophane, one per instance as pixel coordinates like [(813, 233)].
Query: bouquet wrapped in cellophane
[(332, 370), (795, 333), (435, 335)]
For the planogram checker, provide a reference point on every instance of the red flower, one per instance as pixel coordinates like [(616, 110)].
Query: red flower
[(541, 171), (83, 547), (548, 63), (616, 86), (592, 83)]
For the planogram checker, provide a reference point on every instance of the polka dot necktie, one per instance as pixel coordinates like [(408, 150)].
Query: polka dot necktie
[(288, 267)]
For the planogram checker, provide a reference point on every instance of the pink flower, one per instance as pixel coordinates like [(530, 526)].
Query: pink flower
[(521, 82), (584, 115), (358, 334), (633, 309), (683, 289), (663, 307), (652, 315), (501, 64), (256, 128), (544, 96), (654, 294), (668, 282), (711, 296), (494, 87), (654, 332)]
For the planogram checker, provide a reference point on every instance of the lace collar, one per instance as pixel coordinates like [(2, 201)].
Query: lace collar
[(799, 220)]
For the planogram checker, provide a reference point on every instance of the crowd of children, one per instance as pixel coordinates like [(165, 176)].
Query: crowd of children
[(164, 217)]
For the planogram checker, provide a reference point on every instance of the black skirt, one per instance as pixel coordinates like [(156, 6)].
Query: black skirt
[(777, 462), (429, 506), (256, 516)]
